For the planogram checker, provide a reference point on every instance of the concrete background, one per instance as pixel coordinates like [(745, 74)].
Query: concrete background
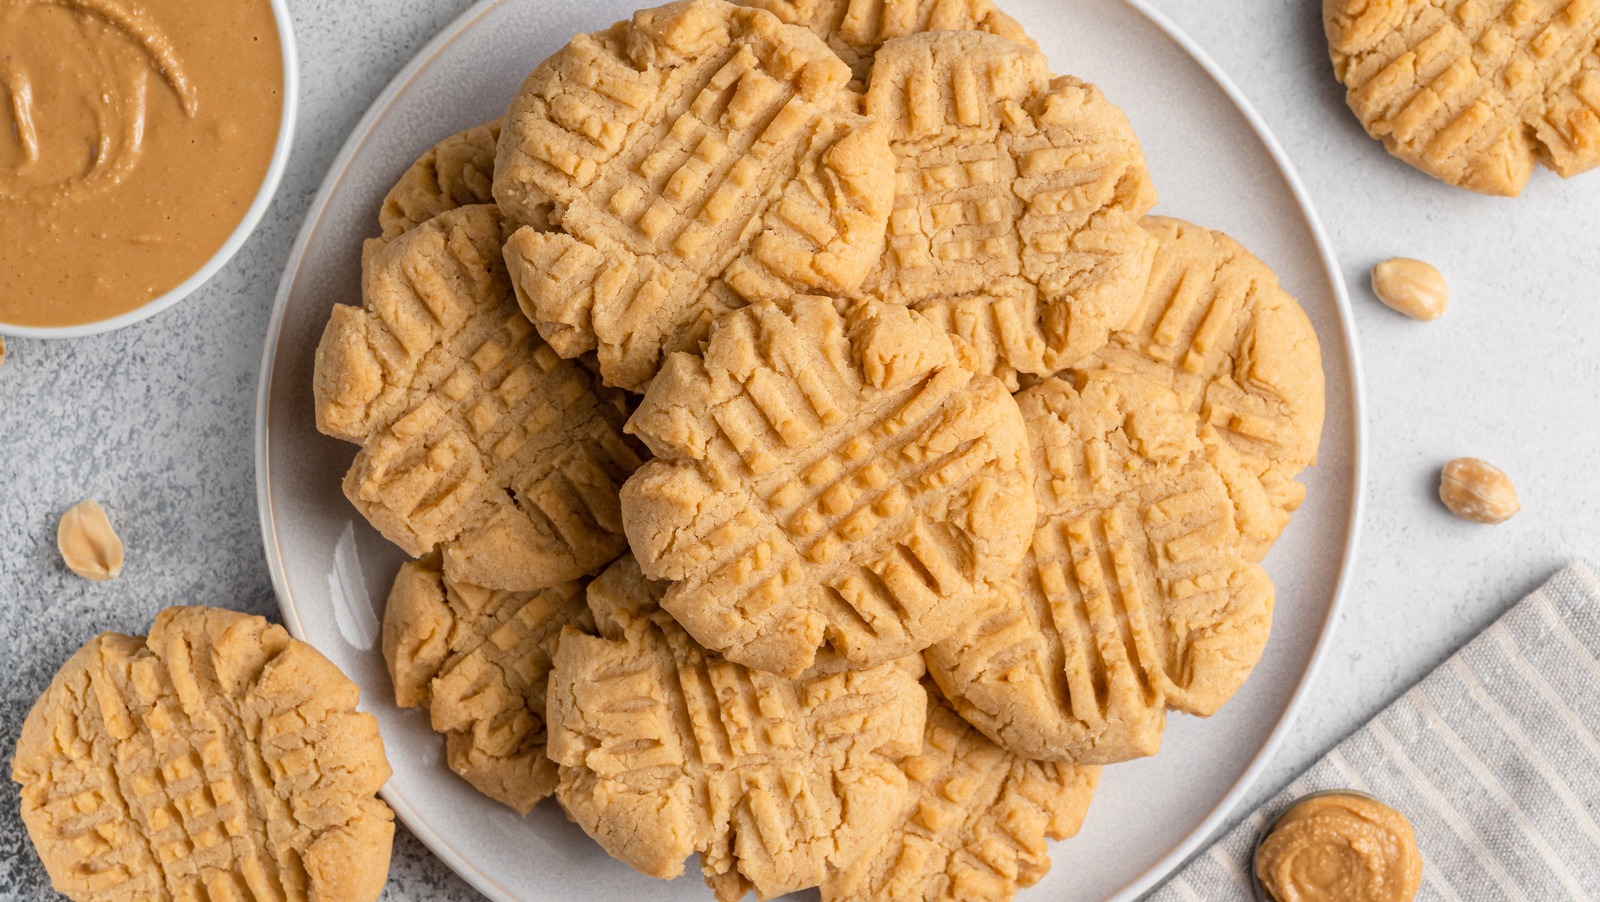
[(156, 420)]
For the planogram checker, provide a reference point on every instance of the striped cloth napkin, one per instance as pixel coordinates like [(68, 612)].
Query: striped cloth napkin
[(1494, 757)]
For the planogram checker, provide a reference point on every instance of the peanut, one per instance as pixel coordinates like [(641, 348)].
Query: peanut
[(1411, 287), (1477, 491), (88, 543)]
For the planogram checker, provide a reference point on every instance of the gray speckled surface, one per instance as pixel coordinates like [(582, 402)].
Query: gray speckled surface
[(155, 420)]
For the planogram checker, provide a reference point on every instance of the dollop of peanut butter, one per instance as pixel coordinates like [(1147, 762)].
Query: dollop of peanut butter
[(134, 135), (87, 542), (1340, 847)]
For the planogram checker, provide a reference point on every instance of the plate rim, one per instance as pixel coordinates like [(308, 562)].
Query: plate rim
[(1221, 813), (1224, 811), (332, 177)]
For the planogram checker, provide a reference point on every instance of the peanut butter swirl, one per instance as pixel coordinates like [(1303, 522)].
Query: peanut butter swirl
[(126, 45), (133, 137), (1340, 847)]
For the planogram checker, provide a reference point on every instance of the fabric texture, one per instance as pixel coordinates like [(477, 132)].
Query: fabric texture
[(1494, 757)]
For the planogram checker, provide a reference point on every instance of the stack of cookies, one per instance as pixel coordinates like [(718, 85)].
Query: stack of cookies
[(814, 456)]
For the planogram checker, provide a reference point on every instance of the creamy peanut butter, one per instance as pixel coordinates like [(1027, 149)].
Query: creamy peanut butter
[(1340, 847), (134, 135)]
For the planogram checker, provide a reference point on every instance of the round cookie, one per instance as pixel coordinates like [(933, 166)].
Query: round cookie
[(855, 29), (479, 661), (476, 436), (699, 157), (1216, 327), (666, 749), (1135, 595), (1473, 92), (978, 825), (216, 759), (1017, 202), (456, 172), (826, 477)]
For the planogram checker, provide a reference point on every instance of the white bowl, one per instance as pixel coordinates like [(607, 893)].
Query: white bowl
[(241, 232)]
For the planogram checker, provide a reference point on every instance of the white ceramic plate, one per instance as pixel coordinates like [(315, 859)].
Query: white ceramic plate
[(1213, 162)]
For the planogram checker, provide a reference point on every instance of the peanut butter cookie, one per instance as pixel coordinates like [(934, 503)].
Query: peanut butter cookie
[(855, 29), (1016, 211), (1135, 595), (1473, 92), (456, 172), (479, 660), (978, 825), (826, 477), (666, 749), (699, 157), (1217, 328), (216, 759), (475, 435)]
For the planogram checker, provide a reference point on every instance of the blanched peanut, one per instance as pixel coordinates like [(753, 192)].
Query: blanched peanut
[(1477, 491), (88, 543), (1411, 287)]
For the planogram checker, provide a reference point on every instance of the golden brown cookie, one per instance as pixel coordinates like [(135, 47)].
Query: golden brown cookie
[(479, 660), (978, 825), (216, 759), (1135, 595), (667, 749), (1216, 327), (1017, 205), (475, 435), (826, 479), (1473, 92), (699, 157), (456, 172), (855, 29)]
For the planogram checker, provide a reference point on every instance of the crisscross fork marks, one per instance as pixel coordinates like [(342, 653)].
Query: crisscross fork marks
[(666, 749), (825, 476), (456, 172), (1474, 91), (213, 774), (882, 488), (479, 660), (184, 779), (978, 824), (855, 29), (476, 435), (1216, 327), (74, 797), (1142, 540), (1017, 201), (1136, 595), (733, 168), (1060, 661)]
